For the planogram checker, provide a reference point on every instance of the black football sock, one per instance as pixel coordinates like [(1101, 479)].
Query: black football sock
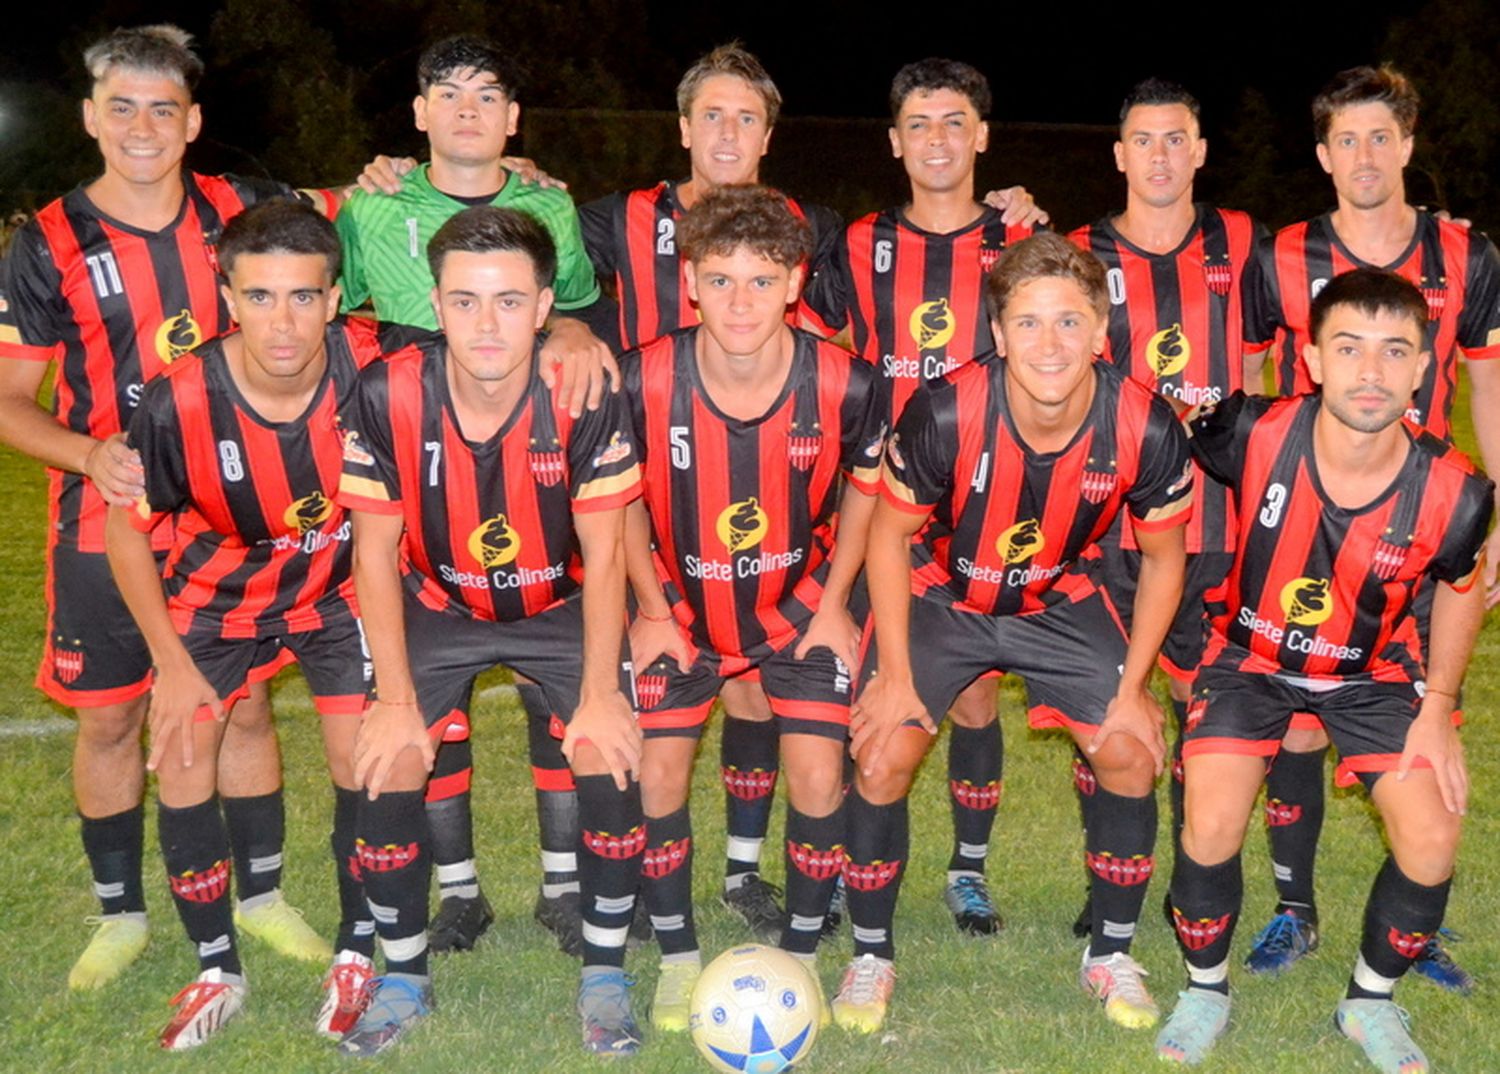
[(667, 882), (1205, 908), (879, 837), (1175, 786), (975, 757), (356, 926), (113, 846), (450, 820), (749, 760), (556, 797), (1400, 918), (814, 860), (1119, 855), (396, 867), (612, 838), (195, 848), (1294, 820), (257, 834)]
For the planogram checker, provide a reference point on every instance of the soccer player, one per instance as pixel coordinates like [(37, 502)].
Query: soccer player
[(1344, 512), (1008, 469), (488, 530), (240, 449), (908, 284), (113, 282), (753, 435), (467, 107), (1364, 121)]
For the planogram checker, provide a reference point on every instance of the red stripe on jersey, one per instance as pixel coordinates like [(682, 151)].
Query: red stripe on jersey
[(1293, 290), (462, 498), (640, 310), (268, 480), (718, 619), (195, 257)]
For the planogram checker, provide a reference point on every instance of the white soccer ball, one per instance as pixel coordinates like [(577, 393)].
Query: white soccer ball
[(755, 1010)]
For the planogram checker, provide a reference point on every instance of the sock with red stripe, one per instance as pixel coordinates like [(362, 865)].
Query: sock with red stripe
[(1400, 918), (396, 867), (613, 836), (1295, 803), (749, 760), (1206, 903), (879, 837), (814, 860), (667, 881), (1119, 856), (975, 757), (195, 848)]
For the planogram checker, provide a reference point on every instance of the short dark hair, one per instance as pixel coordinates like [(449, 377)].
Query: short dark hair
[(755, 217), (935, 73), (1157, 91), (1367, 85), (160, 49), (732, 60), (467, 52), (1044, 255), (281, 226), (486, 229), (1371, 291)]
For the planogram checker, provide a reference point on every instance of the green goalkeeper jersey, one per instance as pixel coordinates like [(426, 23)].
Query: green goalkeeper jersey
[(385, 245)]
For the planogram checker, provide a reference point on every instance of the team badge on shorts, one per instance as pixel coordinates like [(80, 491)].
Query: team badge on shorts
[(67, 664), (649, 690)]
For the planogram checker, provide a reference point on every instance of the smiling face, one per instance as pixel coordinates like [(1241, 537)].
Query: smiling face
[(467, 117), (490, 307), (1365, 153), (143, 122), (1369, 365), (725, 132), (1159, 152), (1048, 333), (742, 298), (937, 136), (282, 302)]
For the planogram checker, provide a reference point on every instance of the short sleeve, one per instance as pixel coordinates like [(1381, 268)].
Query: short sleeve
[(370, 478), (1464, 540), (919, 455), (1218, 436), (1260, 296), (156, 434), (35, 318), (1162, 495), (1479, 323), (576, 285), (864, 429), (602, 458), (596, 222)]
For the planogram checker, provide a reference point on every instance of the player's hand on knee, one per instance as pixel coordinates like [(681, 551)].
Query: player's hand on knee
[(607, 723), (179, 691), (115, 469), (383, 175), (1136, 714), (1433, 736), (527, 171), (581, 362), (834, 629), (388, 728), (652, 638), (1016, 206), (883, 708)]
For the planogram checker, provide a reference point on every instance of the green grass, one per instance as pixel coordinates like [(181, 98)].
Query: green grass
[(1005, 1004)]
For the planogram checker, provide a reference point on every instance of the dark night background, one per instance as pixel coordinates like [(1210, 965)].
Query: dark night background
[(308, 91)]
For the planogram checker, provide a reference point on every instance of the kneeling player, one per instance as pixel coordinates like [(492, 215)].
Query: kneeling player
[(749, 424), (240, 445), (1009, 468), (1344, 511), (488, 531)]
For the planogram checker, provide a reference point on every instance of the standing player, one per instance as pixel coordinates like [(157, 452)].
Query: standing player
[(113, 282), (1364, 121), (1009, 468), (240, 447), (481, 510), (908, 283), (1344, 512), (749, 430)]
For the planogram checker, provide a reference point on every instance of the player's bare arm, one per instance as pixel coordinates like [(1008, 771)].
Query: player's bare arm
[(654, 633), (831, 625), (580, 360)]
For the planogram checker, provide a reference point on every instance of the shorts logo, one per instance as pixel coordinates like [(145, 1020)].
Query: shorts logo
[(547, 463), (1168, 351), (1097, 485), (616, 847), (649, 690), (871, 877), (1388, 560), (308, 512), (1177, 769), (1197, 708), (1083, 777), (803, 448), (1437, 298), (893, 451), (67, 664), (1219, 275), (207, 886), (816, 863), (666, 859), (494, 543), (1126, 872), (748, 784), (1280, 814), (176, 336), (742, 525), (932, 324), (1306, 601), (1196, 935), (353, 452), (1021, 541), (975, 796), (877, 445), (616, 450), (1407, 944), (384, 859)]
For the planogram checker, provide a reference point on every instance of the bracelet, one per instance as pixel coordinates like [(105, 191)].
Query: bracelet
[(655, 618)]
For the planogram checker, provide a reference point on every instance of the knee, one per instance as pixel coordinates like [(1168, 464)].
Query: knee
[(251, 717), (975, 707), (1210, 838), (887, 781), (112, 727), (816, 791), (1304, 740), (1426, 851), (664, 785), (744, 700), (1124, 766)]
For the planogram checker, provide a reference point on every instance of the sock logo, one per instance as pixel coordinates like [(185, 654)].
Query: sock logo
[(748, 784), (1083, 777), (811, 861), (616, 847), (207, 886), (1407, 944), (975, 796), (871, 877), (384, 859), (1279, 814), (666, 859), (1200, 933), (1126, 872), (649, 690)]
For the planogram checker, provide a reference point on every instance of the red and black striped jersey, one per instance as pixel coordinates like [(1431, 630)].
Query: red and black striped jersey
[(1007, 524), (1322, 591), (1176, 324), (913, 300), (259, 548), (1457, 269), (631, 238), (489, 526), (114, 305), (743, 512)]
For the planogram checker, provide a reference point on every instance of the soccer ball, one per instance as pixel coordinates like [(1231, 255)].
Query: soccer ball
[(755, 1010)]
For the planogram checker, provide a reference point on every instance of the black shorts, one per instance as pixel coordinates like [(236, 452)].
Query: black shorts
[(1182, 650), (335, 662), (94, 655)]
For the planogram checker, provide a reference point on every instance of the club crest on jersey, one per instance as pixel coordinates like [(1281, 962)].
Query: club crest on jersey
[(177, 335), (211, 250), (1406, 944), (494, 543), (1021, 541), (803, 447), (666, 859), (1198, 934), (384, 859), (616, 847), (1306, 601), (1388, 560), (207, 886), (747, 784), (742, 525), (1218, 274), (816, 863), (975, 795), (547, 463), (1124, 872), (988, 255), (932, 324), (1096, 486), (1280, 814), (1436, 296), (1168, 351), (353, 451), (871, 877), (310, 511), (67, 664), (649, 690), (1083, 777), (616, 450)]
